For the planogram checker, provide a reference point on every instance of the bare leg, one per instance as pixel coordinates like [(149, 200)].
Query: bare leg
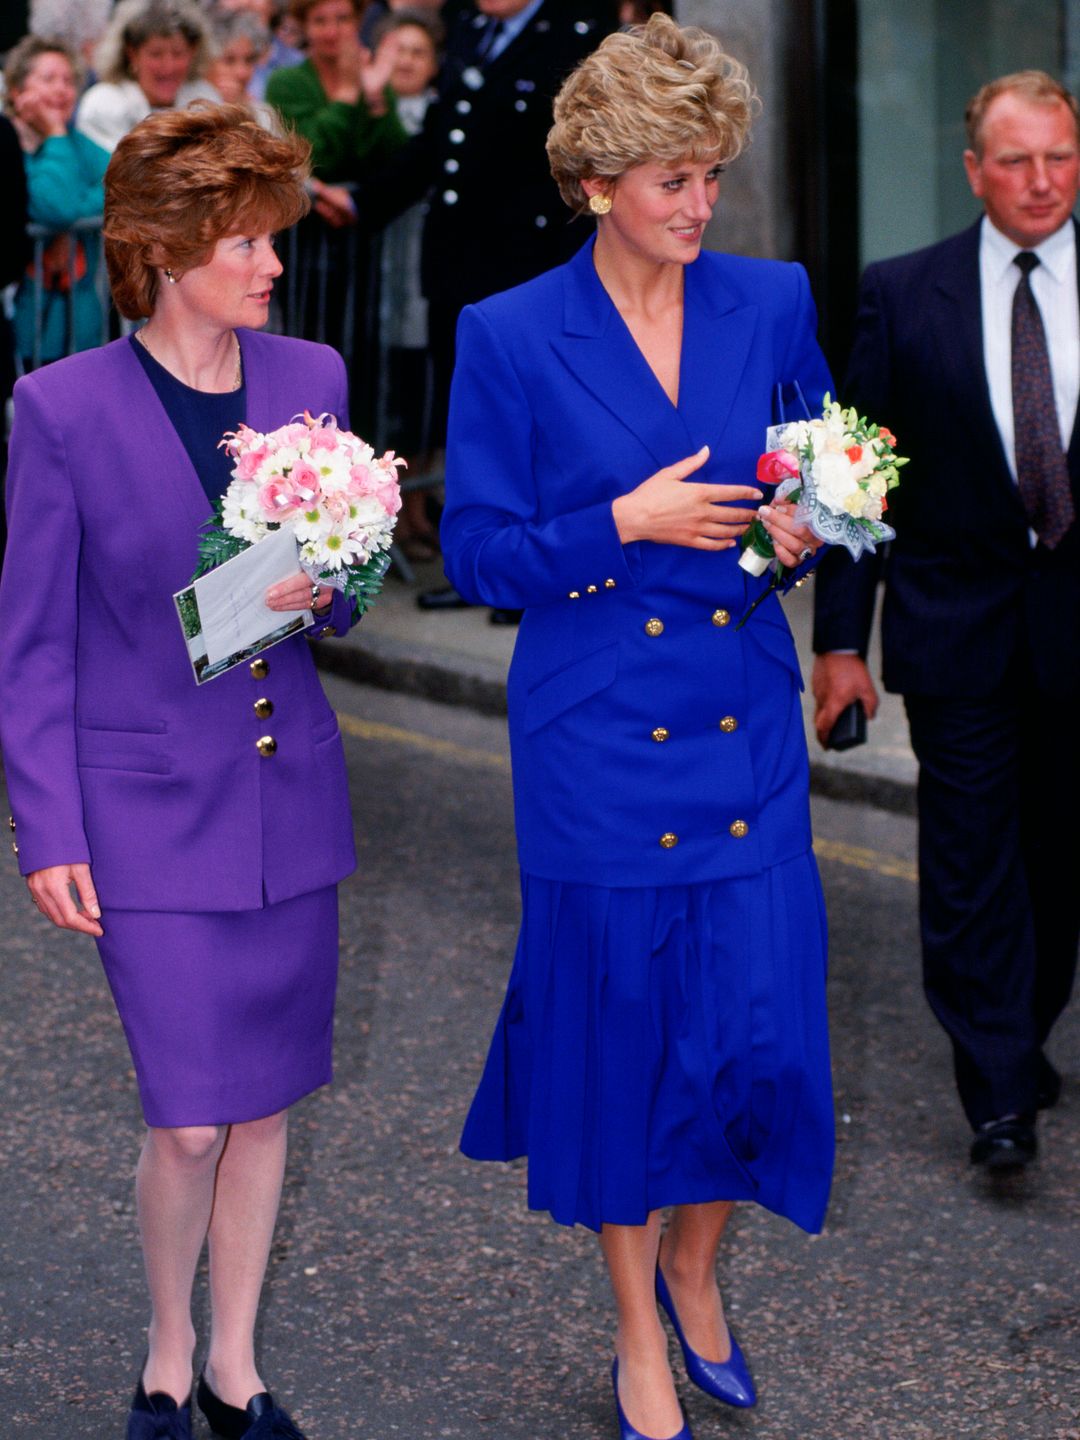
[(246, 1199), (688, 1260), (174, 1193), (646, 1389)]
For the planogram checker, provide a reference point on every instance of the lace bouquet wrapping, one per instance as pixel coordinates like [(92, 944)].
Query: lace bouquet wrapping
[(327, 486), (838, 469)]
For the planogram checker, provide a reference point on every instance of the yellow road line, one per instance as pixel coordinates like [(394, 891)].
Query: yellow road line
[(856, 856), (375, 730), (863, 859)]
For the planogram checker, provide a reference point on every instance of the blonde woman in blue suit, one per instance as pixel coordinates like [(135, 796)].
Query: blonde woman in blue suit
[(663, 1041)]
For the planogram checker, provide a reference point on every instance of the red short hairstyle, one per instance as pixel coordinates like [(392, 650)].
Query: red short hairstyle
[(181, 180)]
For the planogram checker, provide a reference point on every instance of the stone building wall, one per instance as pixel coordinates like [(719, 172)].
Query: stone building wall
[(751, 217)]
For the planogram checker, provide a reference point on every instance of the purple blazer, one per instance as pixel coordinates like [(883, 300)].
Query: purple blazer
[(113, 754)]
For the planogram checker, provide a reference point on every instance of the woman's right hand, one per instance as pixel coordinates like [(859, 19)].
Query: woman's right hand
[(38, 116), (669, 511), (50, 890), (332, 203), (351, 61)]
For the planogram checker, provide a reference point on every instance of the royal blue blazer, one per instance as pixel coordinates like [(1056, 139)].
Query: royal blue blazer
[(653, 742)]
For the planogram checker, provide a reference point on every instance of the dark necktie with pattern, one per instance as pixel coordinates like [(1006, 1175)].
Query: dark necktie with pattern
[(1041, 470), (489, 38)]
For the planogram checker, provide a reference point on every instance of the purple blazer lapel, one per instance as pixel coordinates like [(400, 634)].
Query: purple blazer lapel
[(169, 462)]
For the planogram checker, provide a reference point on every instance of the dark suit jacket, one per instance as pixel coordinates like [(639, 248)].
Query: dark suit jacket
[(496, 218), (965, 593)]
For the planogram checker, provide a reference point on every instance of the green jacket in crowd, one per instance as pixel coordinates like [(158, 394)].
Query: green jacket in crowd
[(345, 139)]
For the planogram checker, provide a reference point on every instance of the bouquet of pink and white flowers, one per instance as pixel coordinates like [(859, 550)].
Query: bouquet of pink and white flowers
[(327, 486), (839, 470)]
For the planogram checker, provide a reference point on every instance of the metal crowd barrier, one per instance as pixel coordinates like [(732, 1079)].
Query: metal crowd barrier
[(41, 238)]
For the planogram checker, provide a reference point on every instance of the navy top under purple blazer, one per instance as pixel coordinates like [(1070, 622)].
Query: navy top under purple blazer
[(113, 755), (554, 413)]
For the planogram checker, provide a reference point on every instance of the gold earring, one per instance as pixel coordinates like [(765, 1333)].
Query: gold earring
[(599, 204)]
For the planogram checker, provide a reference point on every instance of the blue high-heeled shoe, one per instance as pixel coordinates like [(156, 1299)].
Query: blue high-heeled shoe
[(626, 1430), (727, 1380)]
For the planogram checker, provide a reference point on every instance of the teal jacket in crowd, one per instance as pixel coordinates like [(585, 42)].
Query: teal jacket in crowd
[(64, 178)]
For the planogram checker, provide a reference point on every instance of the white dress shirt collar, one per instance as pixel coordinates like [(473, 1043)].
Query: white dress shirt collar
[(1055, 252)]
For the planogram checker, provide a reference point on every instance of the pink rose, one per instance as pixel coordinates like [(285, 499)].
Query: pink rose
[(388, 494), (776, 465), (247, 465), (324, 437), (284, 495), (280, 498), (361, 480)]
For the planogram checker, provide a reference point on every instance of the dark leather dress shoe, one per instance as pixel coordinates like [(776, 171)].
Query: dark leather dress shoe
[(1005, 1144), (445, 598), (260, 1419), (1048, 1091), (157, 1417), (500, 616)]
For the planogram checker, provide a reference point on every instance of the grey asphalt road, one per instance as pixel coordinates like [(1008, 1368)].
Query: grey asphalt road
[(412, 1294)]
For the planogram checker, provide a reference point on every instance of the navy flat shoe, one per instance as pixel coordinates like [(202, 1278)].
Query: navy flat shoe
[(728, 1380), (260, 1419), (157, 1417), (626, 1430)]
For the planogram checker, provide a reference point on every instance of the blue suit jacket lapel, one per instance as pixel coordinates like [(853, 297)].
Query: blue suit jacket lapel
[(598, 349), (718, 330)]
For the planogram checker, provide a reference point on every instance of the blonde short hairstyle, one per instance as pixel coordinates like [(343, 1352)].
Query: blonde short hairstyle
[(182, 180), (22, 58), (653, 92), (134, 22), (1035, 86)]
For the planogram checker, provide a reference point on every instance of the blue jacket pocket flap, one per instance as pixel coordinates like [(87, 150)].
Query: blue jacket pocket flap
[(569, 686)]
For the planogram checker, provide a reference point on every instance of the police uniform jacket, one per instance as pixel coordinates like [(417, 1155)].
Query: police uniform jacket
[(113, 755), (495, 215), (653, 740)]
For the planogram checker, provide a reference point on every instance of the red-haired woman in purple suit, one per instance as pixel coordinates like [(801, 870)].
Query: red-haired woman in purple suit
[(169, 807)]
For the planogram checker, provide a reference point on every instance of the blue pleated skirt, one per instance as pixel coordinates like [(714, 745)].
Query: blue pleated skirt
[(665, 1046)]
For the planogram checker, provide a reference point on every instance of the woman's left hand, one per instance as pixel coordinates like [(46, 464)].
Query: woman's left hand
[(793, 543), (296, 594)]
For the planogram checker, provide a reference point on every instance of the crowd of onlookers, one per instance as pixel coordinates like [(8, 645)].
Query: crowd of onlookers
[(355, 77)]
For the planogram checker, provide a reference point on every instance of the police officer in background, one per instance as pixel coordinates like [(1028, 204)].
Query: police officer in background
[(495, 218)]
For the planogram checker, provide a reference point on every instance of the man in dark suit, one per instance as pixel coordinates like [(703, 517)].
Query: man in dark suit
[(495, 218), (970, 351)]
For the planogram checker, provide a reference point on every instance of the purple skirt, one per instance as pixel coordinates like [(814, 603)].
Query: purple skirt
[(229, 1016), (665, 1046)]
